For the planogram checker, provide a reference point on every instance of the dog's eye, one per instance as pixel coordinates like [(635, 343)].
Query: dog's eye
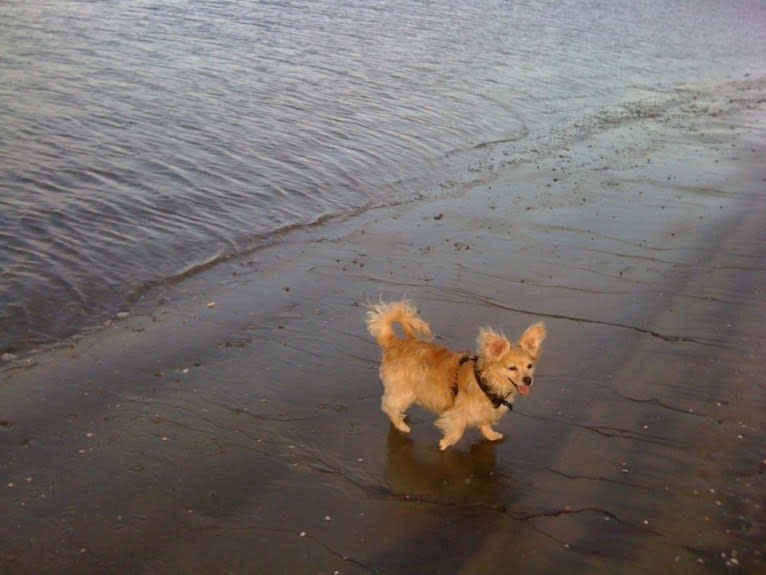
[(529, 366), (512, 367)]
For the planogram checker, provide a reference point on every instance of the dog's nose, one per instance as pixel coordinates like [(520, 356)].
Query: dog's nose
[(527, 380)]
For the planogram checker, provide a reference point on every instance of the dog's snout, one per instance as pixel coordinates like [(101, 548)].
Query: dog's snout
[(527, 380)]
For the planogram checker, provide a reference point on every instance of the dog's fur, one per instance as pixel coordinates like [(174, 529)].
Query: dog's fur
[(414, 370)]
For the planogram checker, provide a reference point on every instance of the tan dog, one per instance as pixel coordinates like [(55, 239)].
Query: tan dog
[(464, 390)]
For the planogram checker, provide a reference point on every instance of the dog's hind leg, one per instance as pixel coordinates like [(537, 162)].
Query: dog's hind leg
[(395, 407)]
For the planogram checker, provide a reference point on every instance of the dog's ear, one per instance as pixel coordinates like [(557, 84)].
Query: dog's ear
[(532, 339), (492, 344)]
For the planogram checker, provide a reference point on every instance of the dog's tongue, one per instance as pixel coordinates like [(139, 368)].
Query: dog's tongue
[(524, 389)]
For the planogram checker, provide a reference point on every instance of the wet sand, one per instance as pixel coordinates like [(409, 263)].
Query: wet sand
[(236, 429)]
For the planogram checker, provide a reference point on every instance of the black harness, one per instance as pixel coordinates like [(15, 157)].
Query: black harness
[(497, 400)]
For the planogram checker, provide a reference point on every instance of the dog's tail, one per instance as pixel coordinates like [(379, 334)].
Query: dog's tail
[(381, 318)]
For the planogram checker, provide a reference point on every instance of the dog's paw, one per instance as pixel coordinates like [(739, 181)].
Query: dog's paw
[(403, 427), (445, 443), (493, 435)]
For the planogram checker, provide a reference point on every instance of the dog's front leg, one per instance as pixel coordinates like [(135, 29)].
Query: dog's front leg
[(449, 440), (489, 433), (453, 428)]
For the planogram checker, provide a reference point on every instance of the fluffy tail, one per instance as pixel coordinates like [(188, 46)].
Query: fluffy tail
[(381, 318)]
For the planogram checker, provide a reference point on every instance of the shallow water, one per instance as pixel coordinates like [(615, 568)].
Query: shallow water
[(142, 140)]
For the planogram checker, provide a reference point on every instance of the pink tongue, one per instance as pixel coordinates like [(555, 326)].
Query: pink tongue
[(524, 389)]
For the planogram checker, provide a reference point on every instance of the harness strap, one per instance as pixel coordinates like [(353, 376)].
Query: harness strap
[(463, 360), (497, 400)]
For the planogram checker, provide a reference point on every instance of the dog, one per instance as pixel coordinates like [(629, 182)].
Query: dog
[(464, 390)]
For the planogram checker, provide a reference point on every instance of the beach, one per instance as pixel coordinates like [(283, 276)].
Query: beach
[(230, 422)]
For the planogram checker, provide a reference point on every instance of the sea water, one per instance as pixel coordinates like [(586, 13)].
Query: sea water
[(143, 140)]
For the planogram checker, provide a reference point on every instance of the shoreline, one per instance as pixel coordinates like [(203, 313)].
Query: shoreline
[(247, 435), (502, 156)]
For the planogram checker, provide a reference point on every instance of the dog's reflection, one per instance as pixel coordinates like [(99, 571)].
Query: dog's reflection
[(419, 470)]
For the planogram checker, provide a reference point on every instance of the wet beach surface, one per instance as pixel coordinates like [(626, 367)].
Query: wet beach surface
[(236, 429)]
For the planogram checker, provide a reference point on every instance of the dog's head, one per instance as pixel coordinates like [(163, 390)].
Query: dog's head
[(509, 366)]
